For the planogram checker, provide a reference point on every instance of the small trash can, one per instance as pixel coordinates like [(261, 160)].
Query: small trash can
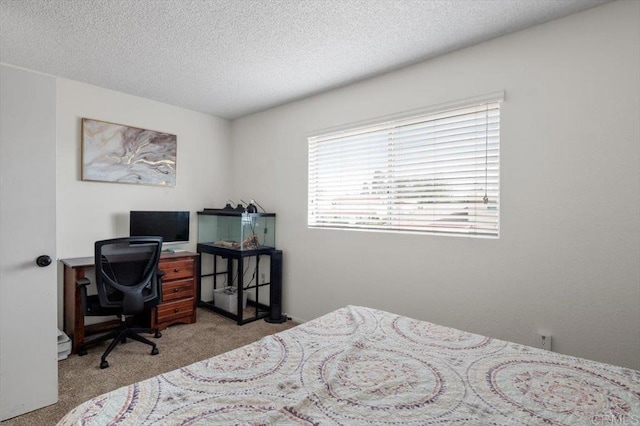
[(64, 345)]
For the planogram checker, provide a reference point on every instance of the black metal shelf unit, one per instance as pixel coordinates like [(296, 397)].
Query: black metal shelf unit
[(235, 264)]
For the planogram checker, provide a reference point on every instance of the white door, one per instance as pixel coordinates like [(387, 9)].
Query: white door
[(28, 306)]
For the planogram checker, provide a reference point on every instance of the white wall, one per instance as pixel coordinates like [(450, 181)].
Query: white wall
[(90, 211), (569, 253)]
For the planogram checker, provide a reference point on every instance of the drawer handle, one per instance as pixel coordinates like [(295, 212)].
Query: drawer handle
[(175, 290), (175, 311), (176, 270)]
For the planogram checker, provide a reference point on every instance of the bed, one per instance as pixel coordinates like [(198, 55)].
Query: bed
[(359, 366)]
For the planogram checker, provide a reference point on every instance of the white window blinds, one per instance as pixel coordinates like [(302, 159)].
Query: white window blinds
[(435, 173)]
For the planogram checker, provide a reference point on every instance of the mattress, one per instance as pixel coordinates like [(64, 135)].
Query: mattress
[(361, 366)]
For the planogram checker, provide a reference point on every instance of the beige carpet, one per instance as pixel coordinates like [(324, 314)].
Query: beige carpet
[(80, 378)]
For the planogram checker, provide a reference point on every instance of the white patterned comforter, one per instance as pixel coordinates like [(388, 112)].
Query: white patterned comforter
[(360, 366)]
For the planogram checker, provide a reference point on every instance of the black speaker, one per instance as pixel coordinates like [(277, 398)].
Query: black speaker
[(275, 289)]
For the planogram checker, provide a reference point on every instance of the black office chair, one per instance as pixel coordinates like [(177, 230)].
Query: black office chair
[(129, 283)]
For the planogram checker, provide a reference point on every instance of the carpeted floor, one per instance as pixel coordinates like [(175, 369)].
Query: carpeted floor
[(80, 378)]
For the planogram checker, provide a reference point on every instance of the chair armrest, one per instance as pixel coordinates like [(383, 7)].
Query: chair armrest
[(161, 274), (83, 283)]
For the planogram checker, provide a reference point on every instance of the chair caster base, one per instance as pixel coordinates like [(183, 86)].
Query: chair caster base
[(104, 364), (155, 351)]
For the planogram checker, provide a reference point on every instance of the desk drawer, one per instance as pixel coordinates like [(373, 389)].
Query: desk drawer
[(180, 289), (173, 310), (176, 269)]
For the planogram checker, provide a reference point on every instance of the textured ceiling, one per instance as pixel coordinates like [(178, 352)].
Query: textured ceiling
[(231, 58)]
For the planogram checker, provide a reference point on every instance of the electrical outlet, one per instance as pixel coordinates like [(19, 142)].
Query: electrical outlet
[(544, 341)]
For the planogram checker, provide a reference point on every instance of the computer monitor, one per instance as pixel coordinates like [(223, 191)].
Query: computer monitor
[(172, 226)]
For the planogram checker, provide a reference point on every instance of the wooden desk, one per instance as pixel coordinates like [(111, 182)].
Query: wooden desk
[(178, 295)]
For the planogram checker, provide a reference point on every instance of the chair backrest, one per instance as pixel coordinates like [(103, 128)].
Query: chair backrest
[(127, 272)]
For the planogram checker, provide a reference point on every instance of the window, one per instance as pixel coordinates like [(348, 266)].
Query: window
[(435, 173)]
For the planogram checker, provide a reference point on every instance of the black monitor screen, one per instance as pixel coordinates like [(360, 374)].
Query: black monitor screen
[(171, 226)]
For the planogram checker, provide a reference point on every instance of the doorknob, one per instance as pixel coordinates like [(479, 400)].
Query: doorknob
[(43, 261)]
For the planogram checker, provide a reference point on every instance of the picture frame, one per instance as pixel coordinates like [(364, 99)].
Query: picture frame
[(120, 153)]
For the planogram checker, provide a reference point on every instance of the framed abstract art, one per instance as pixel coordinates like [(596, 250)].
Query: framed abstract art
[(124, 154)]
